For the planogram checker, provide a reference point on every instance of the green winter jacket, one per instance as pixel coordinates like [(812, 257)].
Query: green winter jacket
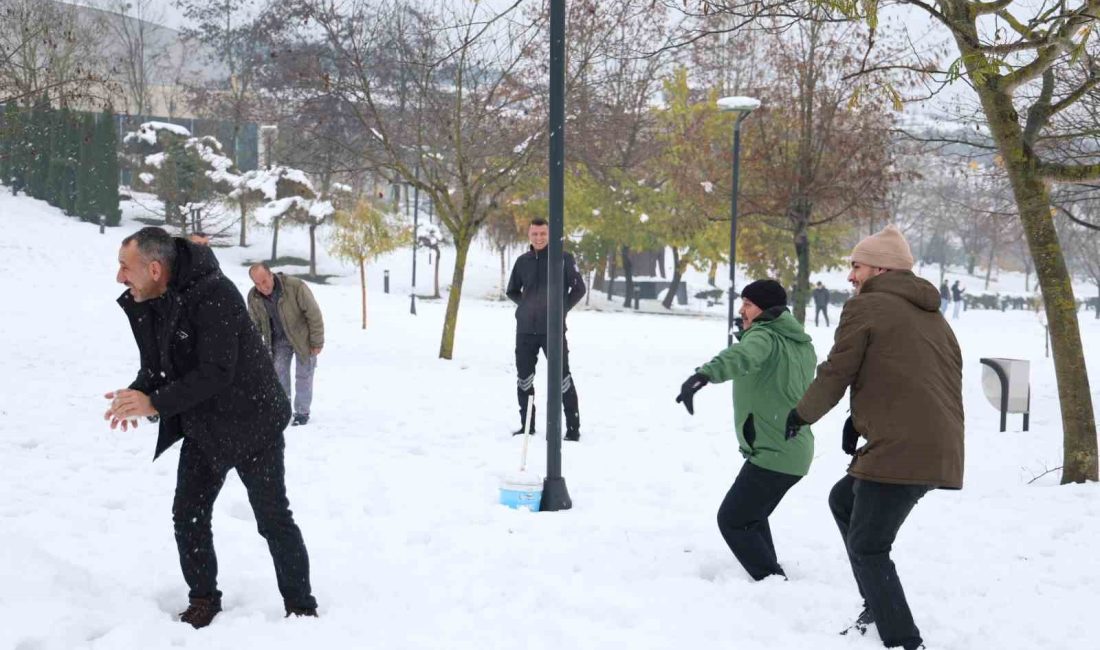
[(771, 367)]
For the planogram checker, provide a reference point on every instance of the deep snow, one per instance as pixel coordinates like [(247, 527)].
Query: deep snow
[(394, 485)]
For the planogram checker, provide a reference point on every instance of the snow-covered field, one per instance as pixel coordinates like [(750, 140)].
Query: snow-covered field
[(394, 483)]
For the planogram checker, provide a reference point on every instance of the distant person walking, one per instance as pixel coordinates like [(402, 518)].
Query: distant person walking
[(945, 297), (957, 291), (286, 313), (821, 304)]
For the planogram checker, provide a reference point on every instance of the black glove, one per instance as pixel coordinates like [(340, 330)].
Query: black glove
[(794, 424), (851, 438), (739, 327), (688, 390)]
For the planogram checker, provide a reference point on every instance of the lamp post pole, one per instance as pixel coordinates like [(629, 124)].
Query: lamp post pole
[(555, 495), (740, 107)]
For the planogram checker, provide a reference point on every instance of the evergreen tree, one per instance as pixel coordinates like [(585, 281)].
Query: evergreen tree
[(85, 174), (38, 150), (7, 141), (107, 139), (72, 156), (17, 134), (55, 172)]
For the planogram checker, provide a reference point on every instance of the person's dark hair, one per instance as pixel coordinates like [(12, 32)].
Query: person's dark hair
[(155, 245), (539, 221)]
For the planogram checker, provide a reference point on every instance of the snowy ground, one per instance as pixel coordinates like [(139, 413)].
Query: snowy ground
[(394, 484)]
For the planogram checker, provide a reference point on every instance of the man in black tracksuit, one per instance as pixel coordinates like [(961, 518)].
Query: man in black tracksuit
[(208, 377), (527, 288)]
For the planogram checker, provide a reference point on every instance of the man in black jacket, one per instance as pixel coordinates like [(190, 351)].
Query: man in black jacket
[(207, 377), (821, 304), (527, 288)]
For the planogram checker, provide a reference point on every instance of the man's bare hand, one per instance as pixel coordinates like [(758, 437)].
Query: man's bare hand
[(315, 351), (126, 407)]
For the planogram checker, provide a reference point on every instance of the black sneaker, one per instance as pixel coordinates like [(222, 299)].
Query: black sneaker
[(522, 420), (299, 420), (863, 621), (573, 434), (301, 611), (201, 611)]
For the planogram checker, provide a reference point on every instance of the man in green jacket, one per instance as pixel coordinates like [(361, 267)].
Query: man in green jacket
[(287, 315), (771, 367), (897, 353)]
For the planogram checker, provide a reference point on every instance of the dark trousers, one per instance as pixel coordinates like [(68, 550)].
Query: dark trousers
[(743, 518), (821, 310), (527, 355), (263, 475), (869, 515)]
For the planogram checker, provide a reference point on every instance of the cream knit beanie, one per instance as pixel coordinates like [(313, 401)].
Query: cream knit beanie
[(886, 249)]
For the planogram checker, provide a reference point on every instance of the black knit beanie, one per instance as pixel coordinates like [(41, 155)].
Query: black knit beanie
[(765, 294)]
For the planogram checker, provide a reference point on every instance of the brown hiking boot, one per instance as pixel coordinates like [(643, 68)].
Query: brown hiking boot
[(301, 611), (201, 611)]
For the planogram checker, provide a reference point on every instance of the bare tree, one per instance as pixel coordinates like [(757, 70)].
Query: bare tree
[(442, 91), (49, 48), (133, 31)]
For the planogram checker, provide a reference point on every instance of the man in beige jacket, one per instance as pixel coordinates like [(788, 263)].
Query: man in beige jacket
[(900, 359), (287, 315)]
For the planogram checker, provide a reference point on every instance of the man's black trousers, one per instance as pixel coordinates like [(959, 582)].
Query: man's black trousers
[(743, 517), (263, 475), (869, 515), (527, 355)]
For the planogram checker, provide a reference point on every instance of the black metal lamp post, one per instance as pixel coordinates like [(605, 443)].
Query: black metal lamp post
[(740, 107), (555, 495)]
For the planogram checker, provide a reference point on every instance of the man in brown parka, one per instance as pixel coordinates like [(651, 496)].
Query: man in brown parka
[(897, 353)]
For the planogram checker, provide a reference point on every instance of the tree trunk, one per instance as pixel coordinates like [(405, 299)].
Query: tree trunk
[(1033, 203), (971, 262), (712, 275), (989, 265), (598, 277), (802, 275), (275, 241), (1027, 276), (244, 225), (661, 264), (679, 265), (628, 276), (437, 256), (503, 269), (313, 250), (1098, 299), (450, 320), (363, 286), (611, 257)]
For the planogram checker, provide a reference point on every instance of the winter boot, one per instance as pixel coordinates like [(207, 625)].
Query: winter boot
[(573, 433), (523, 421), (299, 419), (863, 621), (298, 612), (201, 611), (572, 426)]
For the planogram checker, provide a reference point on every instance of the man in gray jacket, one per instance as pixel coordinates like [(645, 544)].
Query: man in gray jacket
[(287, 315)]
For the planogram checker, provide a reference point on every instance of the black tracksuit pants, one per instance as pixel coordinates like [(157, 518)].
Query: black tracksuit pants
[(743, 518), (527, 355), (263, 475), (869, 515)]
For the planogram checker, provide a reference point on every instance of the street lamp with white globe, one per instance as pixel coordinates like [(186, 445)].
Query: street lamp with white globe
[(740, 107)]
